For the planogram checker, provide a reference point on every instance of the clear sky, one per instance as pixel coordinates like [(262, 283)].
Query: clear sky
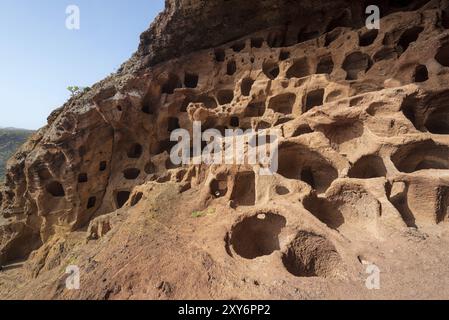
[(40, 57)]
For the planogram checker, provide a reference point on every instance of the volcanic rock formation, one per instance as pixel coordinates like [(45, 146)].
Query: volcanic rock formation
[(363, 173)]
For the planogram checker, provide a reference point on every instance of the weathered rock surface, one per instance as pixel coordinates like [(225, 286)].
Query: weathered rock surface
[(363, 161)]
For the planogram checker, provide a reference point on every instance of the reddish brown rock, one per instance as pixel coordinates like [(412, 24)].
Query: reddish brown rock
[(363, 161)]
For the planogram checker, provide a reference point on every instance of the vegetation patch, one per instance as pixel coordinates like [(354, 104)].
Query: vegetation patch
[(10, 140)]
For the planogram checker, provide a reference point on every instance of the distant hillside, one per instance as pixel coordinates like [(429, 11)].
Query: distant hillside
[(10, 140)]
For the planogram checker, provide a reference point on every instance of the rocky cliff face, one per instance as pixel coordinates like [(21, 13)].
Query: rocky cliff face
[(363, 158)]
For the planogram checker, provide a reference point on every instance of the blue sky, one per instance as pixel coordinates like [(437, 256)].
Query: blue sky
[(40, 57)]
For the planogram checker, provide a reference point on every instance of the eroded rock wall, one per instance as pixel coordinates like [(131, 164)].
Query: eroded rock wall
[(363, 115)]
